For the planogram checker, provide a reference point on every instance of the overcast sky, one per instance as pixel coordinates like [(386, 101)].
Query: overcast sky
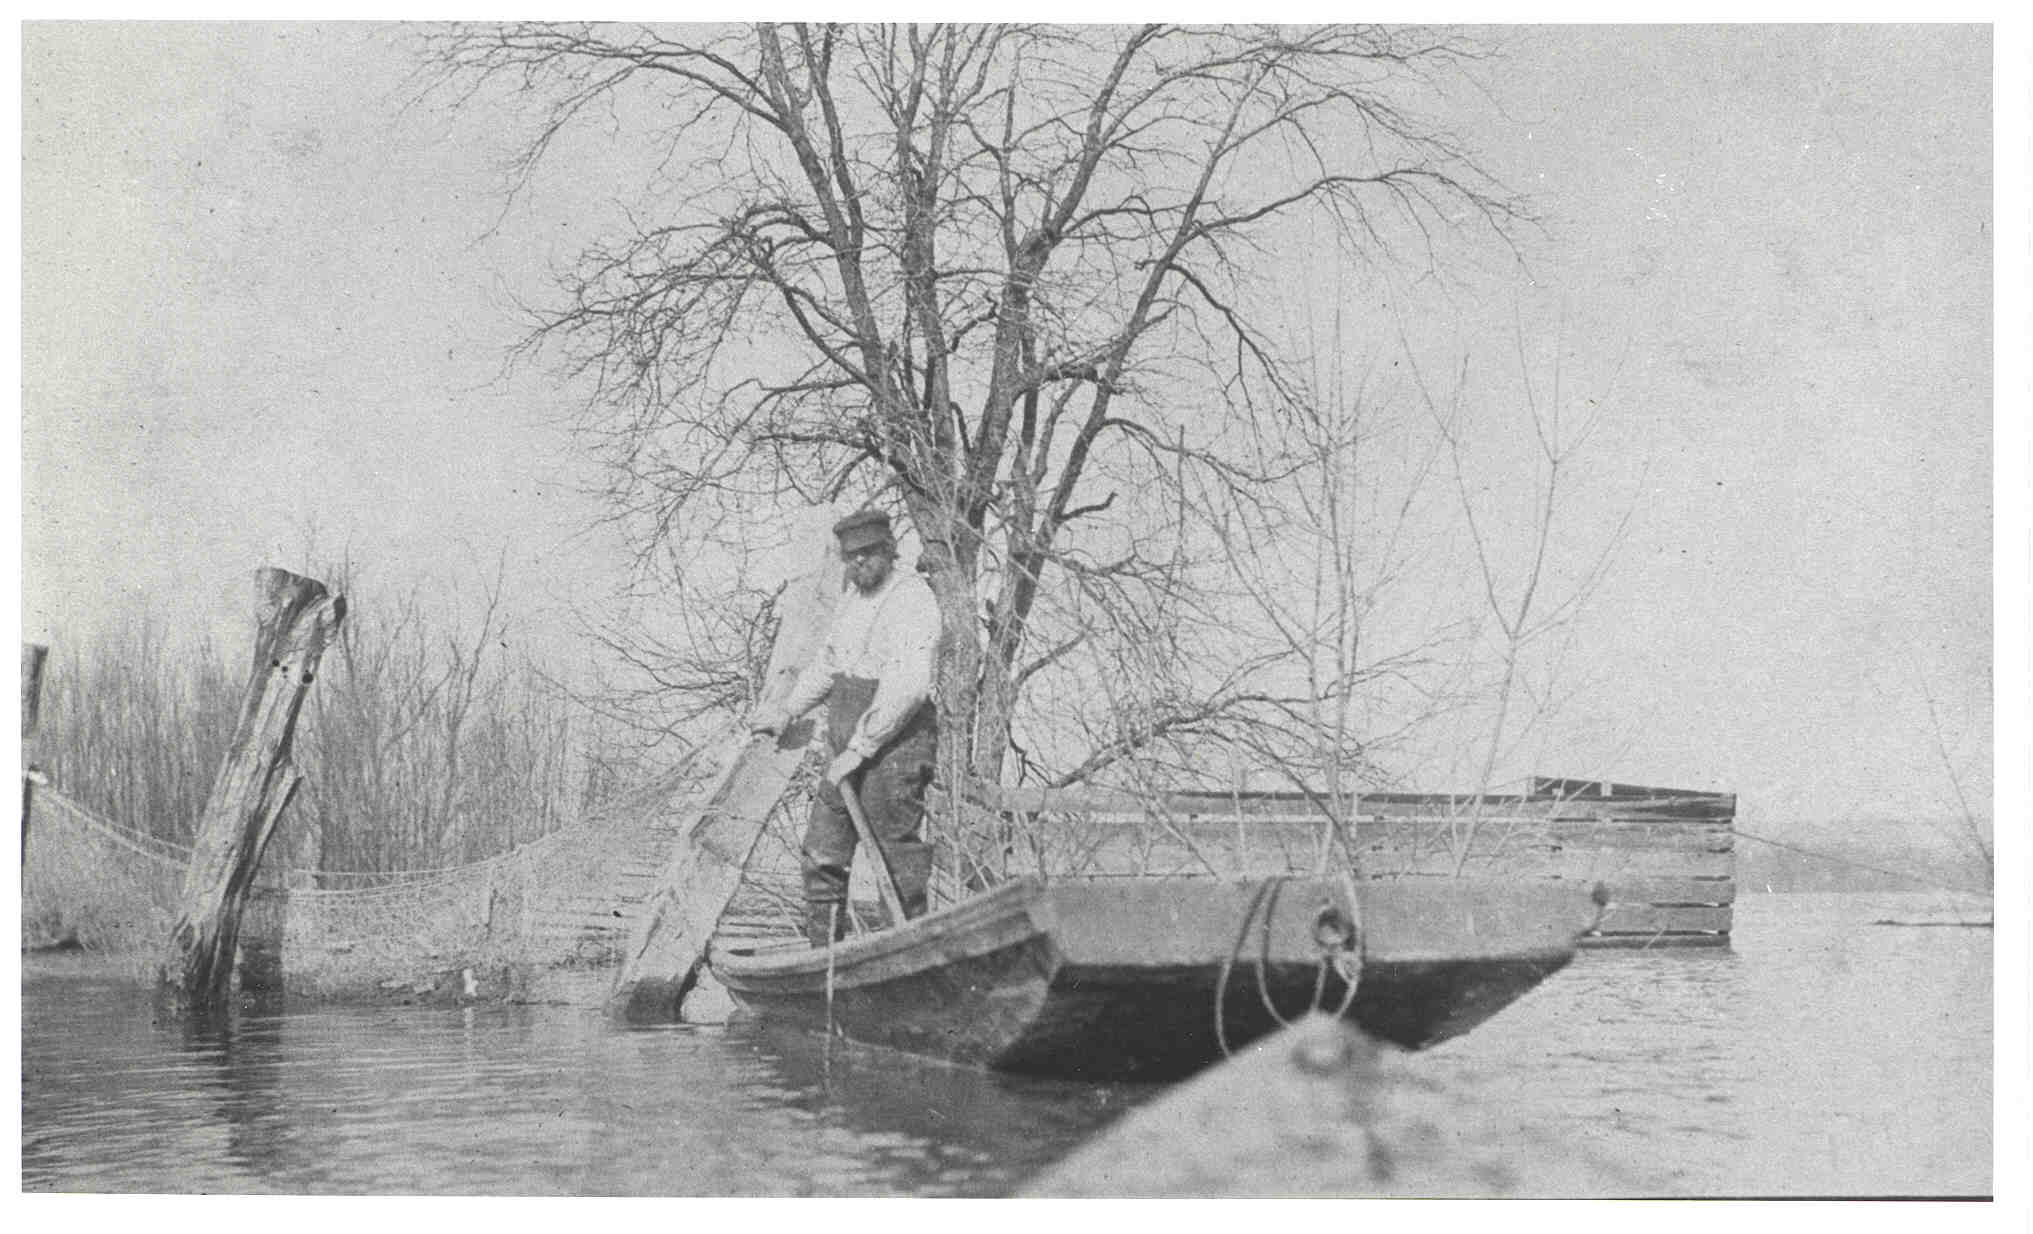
[(257, 302)]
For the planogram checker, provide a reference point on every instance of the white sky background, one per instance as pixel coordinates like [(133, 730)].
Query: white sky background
[(1784, 234), (256, 300)]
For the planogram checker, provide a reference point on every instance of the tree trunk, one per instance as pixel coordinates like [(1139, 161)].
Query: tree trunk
[(949, 562), (959, 673), (255, 783), (994, 714)]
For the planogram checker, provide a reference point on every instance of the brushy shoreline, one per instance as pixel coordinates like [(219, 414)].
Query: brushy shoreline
[(423, 747)]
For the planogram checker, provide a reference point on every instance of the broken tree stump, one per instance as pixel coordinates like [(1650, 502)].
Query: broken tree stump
[(32, 657), (298, 618)]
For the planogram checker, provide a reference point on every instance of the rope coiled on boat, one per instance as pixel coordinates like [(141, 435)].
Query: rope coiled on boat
[(1339, 940)]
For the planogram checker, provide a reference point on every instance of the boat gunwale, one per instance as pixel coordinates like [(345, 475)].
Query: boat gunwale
[(946, 925), (960, 931)]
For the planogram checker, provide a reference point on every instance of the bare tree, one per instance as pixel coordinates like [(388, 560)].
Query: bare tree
[(427, 744), (1314, 571), (1002, 275), (1522, 601)]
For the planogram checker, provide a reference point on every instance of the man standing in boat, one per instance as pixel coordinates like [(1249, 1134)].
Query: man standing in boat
[(875, 675)]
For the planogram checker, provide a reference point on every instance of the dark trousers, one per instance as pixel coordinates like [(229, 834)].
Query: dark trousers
[(891, 787)]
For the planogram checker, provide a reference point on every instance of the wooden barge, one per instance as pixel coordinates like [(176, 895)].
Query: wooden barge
[(1666, 856)]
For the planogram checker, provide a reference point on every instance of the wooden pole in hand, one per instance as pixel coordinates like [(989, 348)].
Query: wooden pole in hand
[(885, 879), (298, 619)]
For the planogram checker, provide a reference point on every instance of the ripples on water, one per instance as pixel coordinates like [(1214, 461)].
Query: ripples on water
[(506, 1100), (1820, 1055)]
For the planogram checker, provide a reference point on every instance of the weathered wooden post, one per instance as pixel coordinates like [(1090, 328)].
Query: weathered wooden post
[(298, 618), (32, 657)]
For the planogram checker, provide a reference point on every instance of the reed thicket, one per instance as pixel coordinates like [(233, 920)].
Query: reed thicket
[(424, 744)]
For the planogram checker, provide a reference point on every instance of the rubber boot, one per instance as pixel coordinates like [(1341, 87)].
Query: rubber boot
[(825, 905)]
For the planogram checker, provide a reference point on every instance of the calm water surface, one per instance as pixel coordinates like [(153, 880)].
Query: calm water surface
[(1820, 1055)]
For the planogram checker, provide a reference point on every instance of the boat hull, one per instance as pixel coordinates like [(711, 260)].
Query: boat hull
[(1156, 978)]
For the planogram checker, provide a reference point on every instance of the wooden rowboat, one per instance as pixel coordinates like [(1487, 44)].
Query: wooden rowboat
[(1154, 978)]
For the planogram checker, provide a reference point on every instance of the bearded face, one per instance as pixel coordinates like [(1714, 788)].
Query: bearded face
[(868, 568)]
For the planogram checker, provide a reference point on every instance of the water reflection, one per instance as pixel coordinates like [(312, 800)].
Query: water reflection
[(1814, 1058), (239, 1064), (927, 1125)]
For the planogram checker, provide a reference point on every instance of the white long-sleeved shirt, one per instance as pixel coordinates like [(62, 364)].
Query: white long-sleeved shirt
[(890, 635)]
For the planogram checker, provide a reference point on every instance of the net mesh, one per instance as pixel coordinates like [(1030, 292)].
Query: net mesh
[(567, 901), (90, 883)]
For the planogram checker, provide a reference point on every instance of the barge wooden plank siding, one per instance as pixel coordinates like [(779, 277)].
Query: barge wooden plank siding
[(1655, 861), (1555, 786), (1501, 835), (1667, 856), (1122, 850), (1097, 802), (1648, 919)]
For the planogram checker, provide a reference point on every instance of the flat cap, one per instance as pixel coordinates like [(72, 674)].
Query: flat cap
[(863, 529)]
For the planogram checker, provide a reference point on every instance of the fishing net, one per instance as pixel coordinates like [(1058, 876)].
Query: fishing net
[(87, 882), (491, 929)]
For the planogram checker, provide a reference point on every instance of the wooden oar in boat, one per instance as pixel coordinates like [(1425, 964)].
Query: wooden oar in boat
[(885, 878), (706, 867)]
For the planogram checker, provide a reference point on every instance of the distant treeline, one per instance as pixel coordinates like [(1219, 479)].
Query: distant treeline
[(423, 746)]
